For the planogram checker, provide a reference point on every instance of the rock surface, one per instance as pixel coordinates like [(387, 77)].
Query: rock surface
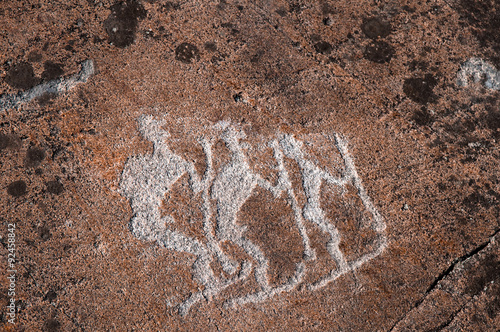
[(250, 165)]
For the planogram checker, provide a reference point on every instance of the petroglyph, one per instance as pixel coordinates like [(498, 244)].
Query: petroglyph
[(147, 178), (481, 72), (55, 86)]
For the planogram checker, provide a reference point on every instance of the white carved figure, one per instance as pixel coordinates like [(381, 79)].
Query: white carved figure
[(147, 178)]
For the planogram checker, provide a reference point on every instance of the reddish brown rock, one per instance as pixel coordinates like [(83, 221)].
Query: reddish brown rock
[(193, 166)]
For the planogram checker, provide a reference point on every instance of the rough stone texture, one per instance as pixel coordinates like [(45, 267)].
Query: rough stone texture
[(307, 140)]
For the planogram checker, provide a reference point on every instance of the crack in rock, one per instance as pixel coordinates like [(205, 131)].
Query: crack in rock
[(444, 274)]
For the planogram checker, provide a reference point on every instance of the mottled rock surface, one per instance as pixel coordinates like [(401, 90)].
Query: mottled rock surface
[(250, 165)]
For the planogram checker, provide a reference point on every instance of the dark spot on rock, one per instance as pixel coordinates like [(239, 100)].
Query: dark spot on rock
[(4, 141), (441, 186), (420, 90), (422, 117), (34, 56), (281, 12), (323, 47), (9, 141), (50, 296), (408, 9), (46, 98), (44, 233), (376, 27), (97, 40), (34, 157), (327, 21), (468, 159), (51, 325), (484, 16), (492, 120), (379, 52), (488, 271), (21, 76), (121, 24), (240, 8), (187, 53), (54, 187), (315, 38), (52, 70), (493, 307), (17, 188), (210, 46), (461, 128), (474, 201)]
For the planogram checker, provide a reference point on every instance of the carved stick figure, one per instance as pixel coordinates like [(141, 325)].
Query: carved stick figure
[(231, 189), (312, 178), (153, 176)]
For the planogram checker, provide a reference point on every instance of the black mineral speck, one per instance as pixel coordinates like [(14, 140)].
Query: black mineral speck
[(54, 187), (17, 188), (52, 70), (379, 52), (34, 157), (238, 97), (376, 27), (21, 76), (323, 47), (121, 24), (187, 53), (420, 90)]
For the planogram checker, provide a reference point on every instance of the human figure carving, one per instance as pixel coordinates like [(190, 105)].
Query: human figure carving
[(146, 180)]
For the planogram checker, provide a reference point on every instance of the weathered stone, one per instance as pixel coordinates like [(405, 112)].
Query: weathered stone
[(204, 166)]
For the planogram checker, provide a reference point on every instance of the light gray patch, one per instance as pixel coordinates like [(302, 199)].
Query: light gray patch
[(481, 72)]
